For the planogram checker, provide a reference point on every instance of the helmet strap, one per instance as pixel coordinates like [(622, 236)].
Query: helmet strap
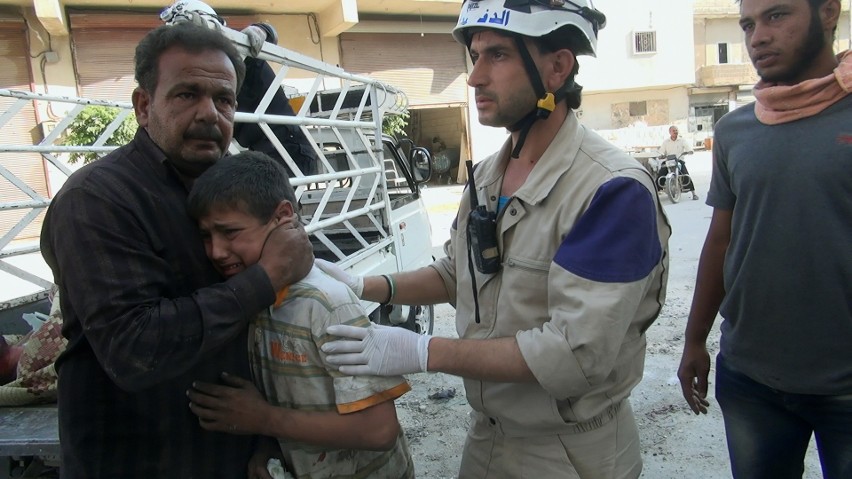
[(546, 100)]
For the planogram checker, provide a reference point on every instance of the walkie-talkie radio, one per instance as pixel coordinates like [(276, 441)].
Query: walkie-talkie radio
[(481, 231)]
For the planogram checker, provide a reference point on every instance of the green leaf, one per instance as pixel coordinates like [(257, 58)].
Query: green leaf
[(393, 125), (88, 126)]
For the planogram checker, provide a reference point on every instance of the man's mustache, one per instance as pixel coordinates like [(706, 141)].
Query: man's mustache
[(208, 133)]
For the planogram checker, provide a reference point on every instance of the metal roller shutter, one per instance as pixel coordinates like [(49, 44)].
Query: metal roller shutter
[(104, 46), (430, 69), (28, 167)]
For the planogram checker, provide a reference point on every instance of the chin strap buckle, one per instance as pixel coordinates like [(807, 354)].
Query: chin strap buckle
[(545, 105)]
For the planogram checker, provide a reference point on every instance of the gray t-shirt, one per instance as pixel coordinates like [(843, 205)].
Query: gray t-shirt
[(788, 269)]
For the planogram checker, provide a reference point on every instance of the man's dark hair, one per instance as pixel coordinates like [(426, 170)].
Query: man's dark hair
[(190, 37), (249, 181), (814, 4)]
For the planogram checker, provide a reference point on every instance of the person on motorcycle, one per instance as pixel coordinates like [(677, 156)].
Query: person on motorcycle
[(675, 145)]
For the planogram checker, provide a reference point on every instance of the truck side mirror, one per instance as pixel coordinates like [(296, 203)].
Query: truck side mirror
[(420, 162)]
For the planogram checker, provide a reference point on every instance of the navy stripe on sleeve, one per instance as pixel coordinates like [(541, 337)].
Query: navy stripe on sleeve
[(616, 239)]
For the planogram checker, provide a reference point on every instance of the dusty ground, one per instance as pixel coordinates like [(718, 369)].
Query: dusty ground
[(675, 443)]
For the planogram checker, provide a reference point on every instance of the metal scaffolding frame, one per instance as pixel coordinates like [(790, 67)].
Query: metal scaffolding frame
[(349, 195)]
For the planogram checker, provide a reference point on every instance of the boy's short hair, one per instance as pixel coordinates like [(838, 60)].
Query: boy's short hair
[(250, 181)]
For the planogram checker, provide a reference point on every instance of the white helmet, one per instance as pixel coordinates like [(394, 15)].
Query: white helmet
[(186, 10), (532, 18)]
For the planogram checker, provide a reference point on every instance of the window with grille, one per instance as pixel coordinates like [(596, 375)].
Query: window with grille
[(645, 42)]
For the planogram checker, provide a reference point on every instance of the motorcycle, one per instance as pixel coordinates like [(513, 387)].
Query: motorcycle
[(670, 176)]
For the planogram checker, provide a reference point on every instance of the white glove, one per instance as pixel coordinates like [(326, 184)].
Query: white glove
[(377, 350), (256, 37), (277, 470), (355, 283)]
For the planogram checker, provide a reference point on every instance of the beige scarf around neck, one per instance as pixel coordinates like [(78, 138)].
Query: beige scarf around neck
[(782, 104)]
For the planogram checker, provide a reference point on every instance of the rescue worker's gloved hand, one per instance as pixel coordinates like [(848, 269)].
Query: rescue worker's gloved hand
[(256, 37), (202, 21), (355, 283), (377, 350)]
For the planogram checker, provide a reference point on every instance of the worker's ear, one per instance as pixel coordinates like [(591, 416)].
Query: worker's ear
[(284, 212), (562, 65), (829, 14), (141, 105)]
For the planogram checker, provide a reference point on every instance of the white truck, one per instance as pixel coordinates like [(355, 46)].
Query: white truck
[(363, 209)]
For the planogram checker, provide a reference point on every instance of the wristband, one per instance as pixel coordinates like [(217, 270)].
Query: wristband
[(391, 288)]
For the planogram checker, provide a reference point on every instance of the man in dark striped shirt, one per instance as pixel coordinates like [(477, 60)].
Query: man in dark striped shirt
[(145, 312)]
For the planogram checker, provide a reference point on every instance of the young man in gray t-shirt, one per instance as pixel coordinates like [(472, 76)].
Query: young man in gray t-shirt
[(777, 261)]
